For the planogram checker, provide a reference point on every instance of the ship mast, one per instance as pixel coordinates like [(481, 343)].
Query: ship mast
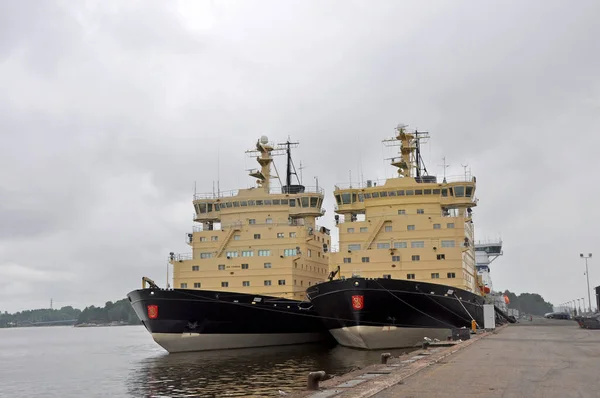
[(409, 163), (264, 159)]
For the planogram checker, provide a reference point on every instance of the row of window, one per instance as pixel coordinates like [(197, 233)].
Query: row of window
[(306, 201), (250, 253), (388, 228), (458, 191), (416, 244), (222, 267), (280, 282), (280, 235), (416, 257)]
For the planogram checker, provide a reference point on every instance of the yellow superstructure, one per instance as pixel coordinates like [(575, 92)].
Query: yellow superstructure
[(260, 240), (408, 227)]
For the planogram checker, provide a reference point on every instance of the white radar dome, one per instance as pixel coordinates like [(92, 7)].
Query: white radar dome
[(264, 139)]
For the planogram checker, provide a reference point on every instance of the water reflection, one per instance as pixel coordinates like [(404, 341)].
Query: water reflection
[(255, 372)]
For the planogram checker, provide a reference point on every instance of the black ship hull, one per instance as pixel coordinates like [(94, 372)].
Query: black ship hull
[(390, 313), (183, 320)]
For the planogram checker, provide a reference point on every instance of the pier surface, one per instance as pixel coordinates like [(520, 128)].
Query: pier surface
[(544, 358)]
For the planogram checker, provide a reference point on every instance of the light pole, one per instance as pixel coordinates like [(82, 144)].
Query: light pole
[(588, 277)]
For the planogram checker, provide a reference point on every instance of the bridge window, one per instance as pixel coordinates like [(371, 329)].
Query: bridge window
[(338, 199), (251, 203), (244, 203), (361, 197), (314, 202), (292, 202), (469, 191), (276, 202), (459, 191), (284, 201), (418, 192), (392, 193), (202, 207), (375, 195), (401, 192), (268, 202), (436, 191), (427, 192), (304, 201), (290, 252), (367, 196), (383, 194), (444, 192), (346, 198), (409, 192)]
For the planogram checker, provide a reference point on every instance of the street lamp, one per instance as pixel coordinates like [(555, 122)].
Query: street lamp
[(588, 277)]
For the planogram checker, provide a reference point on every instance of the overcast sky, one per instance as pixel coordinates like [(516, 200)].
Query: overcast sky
[(111, 110)]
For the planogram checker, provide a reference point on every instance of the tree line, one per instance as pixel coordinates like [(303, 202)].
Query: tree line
[(119, 311), (529, 303)]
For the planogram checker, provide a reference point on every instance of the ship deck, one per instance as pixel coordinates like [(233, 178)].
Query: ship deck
[(543, 358)]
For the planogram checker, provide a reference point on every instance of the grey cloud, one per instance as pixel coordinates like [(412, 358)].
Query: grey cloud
[(110, 112)]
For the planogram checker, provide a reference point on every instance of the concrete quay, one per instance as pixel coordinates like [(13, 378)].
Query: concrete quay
[(540, 358)]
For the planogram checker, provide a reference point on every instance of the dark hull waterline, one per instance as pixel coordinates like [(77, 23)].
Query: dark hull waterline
[(389, 313), (198, 320)]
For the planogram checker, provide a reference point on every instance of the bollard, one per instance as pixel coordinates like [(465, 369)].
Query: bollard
[(425, 345), (384, 357), (314, 378)]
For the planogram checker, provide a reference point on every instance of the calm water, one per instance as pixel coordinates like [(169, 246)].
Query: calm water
[(125, 362)]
